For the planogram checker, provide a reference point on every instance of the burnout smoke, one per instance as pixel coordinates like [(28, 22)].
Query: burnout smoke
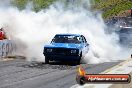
[(34, 30)]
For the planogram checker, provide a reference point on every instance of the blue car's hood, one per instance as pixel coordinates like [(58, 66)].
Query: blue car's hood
[(63, 45)]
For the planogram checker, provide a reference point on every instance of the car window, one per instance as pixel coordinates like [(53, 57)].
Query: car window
[(84, 39), (66, 39)]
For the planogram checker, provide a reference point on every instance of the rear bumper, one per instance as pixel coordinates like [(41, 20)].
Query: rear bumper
[(54, 57)]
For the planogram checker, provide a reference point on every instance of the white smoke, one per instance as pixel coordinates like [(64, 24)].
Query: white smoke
[(34, 30), (5, 3)]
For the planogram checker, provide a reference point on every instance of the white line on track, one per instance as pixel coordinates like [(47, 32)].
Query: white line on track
[(123, 67)]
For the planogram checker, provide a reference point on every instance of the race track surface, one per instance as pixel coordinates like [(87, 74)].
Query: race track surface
[(22, 74)]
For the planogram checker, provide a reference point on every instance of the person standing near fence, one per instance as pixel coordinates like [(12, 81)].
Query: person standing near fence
[(2, 34)]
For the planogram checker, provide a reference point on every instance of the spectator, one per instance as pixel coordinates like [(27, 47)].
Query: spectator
[(2, 34), (131, 12)]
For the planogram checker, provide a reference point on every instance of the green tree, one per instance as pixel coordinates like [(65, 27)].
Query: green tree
[(37, 4), (21, 4), (41, 4)]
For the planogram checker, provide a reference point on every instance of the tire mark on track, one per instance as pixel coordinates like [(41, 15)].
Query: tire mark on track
[(27, 78)]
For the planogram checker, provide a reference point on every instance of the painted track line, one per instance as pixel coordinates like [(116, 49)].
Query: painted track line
[(120, 64), (104, 72), (6, 59)]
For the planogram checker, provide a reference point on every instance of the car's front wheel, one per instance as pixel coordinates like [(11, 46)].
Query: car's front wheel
[(46, 60)]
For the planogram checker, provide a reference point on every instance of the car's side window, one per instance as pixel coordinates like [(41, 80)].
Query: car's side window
[(80, 39), (83, 39)]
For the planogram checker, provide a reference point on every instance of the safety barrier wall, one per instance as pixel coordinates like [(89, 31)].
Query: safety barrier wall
[(7, 48)]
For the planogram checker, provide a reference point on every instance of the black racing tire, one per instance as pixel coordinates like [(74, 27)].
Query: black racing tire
[(46, 60)]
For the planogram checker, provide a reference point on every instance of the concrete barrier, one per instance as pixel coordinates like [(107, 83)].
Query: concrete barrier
[(7, 48)]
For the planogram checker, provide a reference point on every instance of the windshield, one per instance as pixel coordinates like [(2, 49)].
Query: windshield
[(66, 39)]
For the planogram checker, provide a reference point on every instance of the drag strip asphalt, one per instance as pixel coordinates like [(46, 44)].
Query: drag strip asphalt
[(23, 74)]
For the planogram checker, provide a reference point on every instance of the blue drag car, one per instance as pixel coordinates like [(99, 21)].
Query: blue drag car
[(66, 47)]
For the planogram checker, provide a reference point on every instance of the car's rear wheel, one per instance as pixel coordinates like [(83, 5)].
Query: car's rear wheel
[(46, 60)]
